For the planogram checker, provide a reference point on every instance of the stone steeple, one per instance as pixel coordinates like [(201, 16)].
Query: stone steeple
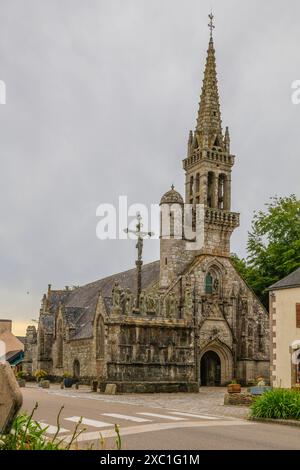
[(209, 163), (208, 132)]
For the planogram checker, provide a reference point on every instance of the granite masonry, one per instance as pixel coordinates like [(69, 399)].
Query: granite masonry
[(196, 322)]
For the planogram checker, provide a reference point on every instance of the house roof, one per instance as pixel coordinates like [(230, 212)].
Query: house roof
[(12, 343), (289, 282)]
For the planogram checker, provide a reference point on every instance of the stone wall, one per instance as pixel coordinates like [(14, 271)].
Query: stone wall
[(150, 351)]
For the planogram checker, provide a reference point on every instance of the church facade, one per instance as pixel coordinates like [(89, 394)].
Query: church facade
[(193, 320)]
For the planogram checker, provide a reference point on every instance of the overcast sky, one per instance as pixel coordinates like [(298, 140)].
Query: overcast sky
[(101, 96)]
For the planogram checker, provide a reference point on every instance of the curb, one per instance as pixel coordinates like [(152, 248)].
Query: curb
[(285, 422)]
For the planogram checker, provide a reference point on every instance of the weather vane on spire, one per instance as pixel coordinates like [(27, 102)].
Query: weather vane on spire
[(211, 24)]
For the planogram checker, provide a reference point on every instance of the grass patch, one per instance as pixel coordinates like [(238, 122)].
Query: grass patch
[(277, 404)]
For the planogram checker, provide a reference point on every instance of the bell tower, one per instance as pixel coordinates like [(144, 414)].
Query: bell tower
[(209, 163)]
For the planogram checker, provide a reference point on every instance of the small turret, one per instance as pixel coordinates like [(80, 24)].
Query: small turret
[(190, 143), (227, 140)]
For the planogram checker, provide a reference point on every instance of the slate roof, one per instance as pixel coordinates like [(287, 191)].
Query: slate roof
[(80, 303), (290, 281)]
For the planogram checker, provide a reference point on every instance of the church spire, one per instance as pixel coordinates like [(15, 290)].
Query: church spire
[(209, 123)]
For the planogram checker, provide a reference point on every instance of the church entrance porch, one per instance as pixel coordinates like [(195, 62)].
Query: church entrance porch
[(215, 365), (210, 369)]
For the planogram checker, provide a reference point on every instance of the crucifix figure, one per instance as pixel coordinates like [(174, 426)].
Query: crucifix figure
[(139, 246), (211, 24)]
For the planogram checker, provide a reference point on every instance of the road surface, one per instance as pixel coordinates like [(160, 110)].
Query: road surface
[(147, 426)]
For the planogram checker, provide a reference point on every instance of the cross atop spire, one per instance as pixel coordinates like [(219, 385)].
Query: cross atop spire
[(211, 24)]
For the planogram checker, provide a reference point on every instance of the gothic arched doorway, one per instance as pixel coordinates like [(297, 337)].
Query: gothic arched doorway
[(210, 369), (76, 369)]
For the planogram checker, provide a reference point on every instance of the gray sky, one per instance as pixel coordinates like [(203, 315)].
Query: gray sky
[(101, 96)]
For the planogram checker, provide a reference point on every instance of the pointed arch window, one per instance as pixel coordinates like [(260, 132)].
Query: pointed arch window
[(208, 283), (100, 337)]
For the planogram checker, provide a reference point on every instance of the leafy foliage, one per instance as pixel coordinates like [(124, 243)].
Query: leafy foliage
[(277, 404), (27, 434), (273, 245), (40, 374)]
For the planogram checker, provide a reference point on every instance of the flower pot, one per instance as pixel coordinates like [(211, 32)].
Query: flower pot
[(68, 382), (21, 382), (45, 383), (234, 388)]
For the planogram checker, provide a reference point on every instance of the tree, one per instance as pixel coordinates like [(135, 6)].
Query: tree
[(273, 246)]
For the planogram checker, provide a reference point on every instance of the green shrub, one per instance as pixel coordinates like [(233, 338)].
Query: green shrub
[(27, 434), (277, 404), (21, 374), (40, 374)]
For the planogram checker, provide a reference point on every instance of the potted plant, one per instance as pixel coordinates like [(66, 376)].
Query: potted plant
[(68, 380), (40, 374), (20, 376), (234, 387)]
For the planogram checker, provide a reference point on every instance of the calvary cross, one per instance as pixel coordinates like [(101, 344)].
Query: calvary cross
[(139, 246)]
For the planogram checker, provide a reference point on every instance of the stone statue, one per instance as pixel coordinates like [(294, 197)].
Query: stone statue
[(216, 286), (156, 301), (188, 301), (142, 302), (129, 302), (116, 296), (173, 305), (167, 306), (150, 306)]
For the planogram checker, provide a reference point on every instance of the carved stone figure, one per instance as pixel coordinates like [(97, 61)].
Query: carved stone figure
[(142, 302), (188, 301), (116, 296), (129, 302), (173, 305)]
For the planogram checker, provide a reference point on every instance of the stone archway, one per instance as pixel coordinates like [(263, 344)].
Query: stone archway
[(216, 364), (210, 369)]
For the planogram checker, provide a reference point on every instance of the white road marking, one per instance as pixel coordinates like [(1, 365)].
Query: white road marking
[(52, 429), (89, 422), (191, 415), (156, 415), (126, 417), (90, 436)]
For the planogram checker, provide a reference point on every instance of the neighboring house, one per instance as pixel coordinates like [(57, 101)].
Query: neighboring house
[(285, 331), (14, 346)]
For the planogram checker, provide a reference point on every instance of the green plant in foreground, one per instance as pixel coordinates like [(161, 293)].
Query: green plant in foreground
[(118, 438), (27, 434), (277, 404)]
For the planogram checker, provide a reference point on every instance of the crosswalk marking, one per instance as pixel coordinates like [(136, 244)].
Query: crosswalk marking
[(89, 422), (144, 428), (156, 415), (191, 415), (51, 429), (128, 418)]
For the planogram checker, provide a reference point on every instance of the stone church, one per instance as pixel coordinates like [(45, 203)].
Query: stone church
[(186, 320)]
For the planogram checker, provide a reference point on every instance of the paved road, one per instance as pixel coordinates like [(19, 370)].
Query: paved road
[(144, 424)]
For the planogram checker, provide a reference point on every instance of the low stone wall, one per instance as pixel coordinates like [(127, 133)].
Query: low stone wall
[(238, 399), (152, 387)]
